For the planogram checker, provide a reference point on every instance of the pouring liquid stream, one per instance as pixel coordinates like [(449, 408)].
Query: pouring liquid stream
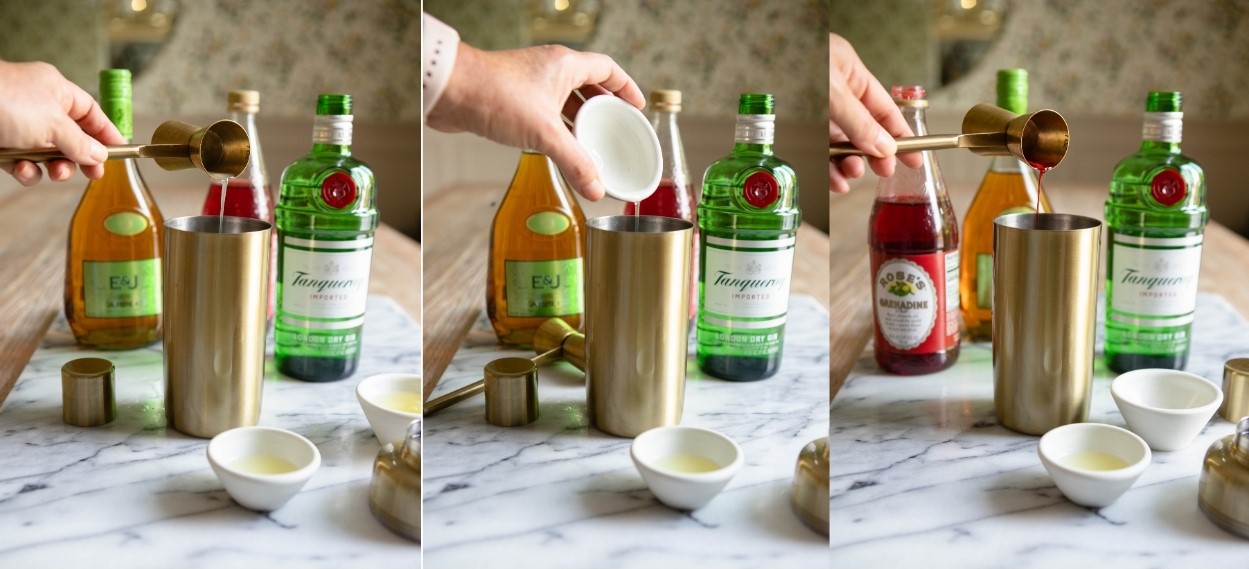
[(221, 212)]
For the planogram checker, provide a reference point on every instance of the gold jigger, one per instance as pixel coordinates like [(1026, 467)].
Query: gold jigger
[(554, 340), (1039, 138), (220, 149), (808, 495)]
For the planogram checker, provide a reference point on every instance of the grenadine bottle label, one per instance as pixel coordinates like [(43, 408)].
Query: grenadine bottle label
[(748, 284), (121, 289), (326, 279), (1156, 277), (544, 288), (911, 306), (1168, 187)]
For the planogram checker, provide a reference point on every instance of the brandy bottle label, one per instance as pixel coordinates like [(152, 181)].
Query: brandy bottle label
[(325, 280), (121, 289), (544, 288), (745, 283), (1154, 278)]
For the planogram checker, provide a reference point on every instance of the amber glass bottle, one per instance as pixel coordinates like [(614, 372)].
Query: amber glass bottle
[(1010, 186), (113, 271), (537, 249)]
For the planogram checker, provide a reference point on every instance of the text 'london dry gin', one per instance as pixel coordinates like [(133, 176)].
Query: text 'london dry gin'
[(1157, 215), (326, 216), (748, 221)]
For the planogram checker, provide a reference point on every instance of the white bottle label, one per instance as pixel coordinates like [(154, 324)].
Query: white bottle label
[(748, 284), (906, 301), (323, 279), (1156, 277)]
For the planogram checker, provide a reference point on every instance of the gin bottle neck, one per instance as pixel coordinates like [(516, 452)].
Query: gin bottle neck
[(1162, 132), (331, 134), (754, 133)]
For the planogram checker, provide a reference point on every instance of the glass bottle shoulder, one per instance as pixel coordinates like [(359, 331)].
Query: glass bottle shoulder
[(121, 188), (1131, 202), (724, 179)]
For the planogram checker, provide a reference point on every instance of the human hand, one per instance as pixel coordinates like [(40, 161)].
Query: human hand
[(861, 111), (516, 97), (40, 108)]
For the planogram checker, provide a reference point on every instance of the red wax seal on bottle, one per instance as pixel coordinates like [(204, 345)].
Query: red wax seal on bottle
[(338, 190), (760, 189), (1168, 187)]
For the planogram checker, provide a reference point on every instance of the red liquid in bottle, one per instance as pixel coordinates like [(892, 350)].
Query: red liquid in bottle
[(667, 203), (241, 199), (906, 233)]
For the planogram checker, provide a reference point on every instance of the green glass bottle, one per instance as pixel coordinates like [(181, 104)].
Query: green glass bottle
[(1157, 215), (326, 215), (748, 221)]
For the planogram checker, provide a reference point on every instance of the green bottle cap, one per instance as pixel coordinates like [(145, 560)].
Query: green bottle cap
[(115, 99), (1164, 102), (755, 104), (1012, 90), (333, 104)]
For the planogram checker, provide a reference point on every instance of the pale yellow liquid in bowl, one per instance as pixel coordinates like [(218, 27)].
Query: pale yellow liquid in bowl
[(263, 464), (1093, 460), (687, 463), (402, 401)]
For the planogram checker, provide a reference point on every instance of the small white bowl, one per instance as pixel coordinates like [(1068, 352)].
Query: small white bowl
[(623, 145), (389, 425), (236, 454), (1089, 485), (654, 452), (1167, 408)]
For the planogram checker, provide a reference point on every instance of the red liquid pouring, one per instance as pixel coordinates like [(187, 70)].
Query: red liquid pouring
[(904, 226), (1041, 169), (665, 202)]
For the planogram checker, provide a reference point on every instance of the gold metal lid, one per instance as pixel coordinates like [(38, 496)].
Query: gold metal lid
[(511, 392), (242, 101), (87, 398), (809, 494), (666, 100), (1223, 493), (1235, 390)]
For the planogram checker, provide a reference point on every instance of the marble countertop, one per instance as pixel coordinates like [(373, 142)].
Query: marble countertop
[(922, 475), (557, 493), (134, 494)]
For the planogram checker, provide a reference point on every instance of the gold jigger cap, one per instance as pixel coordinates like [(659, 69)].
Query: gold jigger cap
[(220, 149), (511, 392), (87, 392), (1235, 390), (556, 333), (1039, 138), (809, 494)]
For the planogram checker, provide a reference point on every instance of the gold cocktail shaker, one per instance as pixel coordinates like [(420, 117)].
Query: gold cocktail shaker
[(216, 294), (1044, 308), (637, 321), (395, 493)]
